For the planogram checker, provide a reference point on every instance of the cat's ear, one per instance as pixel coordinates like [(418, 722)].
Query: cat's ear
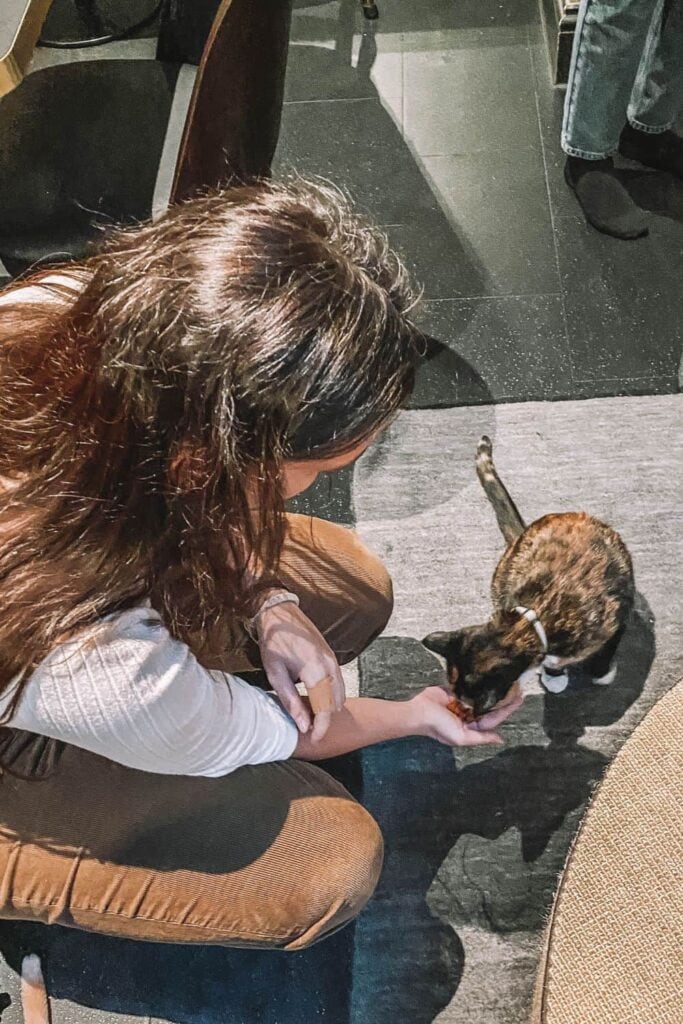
[(438, 642)]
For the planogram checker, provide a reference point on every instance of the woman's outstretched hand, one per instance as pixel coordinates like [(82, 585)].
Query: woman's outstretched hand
[(442, 725), (367, 720), (293, 650)]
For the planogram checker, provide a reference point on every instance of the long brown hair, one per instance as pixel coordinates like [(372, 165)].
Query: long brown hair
[(145, 416)]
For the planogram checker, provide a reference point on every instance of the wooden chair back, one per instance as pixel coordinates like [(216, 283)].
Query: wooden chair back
[(233, 121)]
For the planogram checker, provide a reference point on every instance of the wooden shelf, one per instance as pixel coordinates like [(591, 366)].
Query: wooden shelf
[(559, 19)]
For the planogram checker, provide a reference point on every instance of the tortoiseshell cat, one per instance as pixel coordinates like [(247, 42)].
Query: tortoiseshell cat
[(562, 595)]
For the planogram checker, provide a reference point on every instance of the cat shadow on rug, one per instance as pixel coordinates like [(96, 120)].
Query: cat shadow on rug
[(475, 838)]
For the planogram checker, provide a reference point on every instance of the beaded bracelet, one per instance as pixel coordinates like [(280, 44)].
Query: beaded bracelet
[(282, 597)]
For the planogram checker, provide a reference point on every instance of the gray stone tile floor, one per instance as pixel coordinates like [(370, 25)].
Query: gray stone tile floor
[(441, 121)]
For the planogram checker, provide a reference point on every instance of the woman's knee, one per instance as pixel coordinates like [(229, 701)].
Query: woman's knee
[(368, 613), (363, 611), (343, 587), (339, 887)]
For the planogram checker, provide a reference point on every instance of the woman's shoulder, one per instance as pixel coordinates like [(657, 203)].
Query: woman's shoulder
[(140, 628), (140, 618), (125, 662), (131, 643)]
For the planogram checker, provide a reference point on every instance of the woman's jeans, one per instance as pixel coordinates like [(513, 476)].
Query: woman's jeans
[(627, 64)]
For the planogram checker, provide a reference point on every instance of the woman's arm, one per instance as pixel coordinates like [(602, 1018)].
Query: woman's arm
[(365, 720), (293, 650), (361, 722), (130, 692)]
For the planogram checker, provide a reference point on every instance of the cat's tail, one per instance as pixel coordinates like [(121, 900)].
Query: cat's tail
[(511, 523)]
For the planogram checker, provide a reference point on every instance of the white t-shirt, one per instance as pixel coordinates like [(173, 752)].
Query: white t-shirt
[(132, 693)]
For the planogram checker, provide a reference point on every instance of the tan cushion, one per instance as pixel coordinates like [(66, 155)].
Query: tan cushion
[(613, 951)]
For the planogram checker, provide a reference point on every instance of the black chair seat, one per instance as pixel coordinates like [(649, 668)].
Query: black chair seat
[(80, 146)]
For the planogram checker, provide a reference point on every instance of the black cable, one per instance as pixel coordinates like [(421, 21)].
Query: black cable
[(114, 37)]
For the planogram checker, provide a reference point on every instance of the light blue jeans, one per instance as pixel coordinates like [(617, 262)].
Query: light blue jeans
[(627, 64)]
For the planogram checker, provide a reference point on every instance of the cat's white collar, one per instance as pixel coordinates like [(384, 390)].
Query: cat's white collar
[(554, 683), (530, 615)]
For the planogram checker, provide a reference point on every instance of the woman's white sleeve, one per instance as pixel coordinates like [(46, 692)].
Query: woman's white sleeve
[(141, 698)]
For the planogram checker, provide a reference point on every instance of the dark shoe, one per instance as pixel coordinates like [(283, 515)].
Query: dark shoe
[(604, 200), (663, 151)]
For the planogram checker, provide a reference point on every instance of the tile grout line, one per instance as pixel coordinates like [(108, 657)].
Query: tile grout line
[(496, 298), (336, 99), (532, 64), (471, 152), (403, 90), (605, 381), (594, 393)]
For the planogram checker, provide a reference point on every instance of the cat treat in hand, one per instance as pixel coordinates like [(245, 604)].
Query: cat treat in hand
[(562, 595), (465, 714)]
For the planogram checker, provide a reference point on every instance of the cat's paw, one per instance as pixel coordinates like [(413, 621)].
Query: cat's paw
[(605, 680), (556, 683)]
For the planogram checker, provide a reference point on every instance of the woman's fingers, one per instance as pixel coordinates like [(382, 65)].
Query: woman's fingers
[(485, 725), (499, 714), (339, 689), (513, 698), (325, 685), (293, 650), (473, 738), (321, 723), (279, 679), (326, 694)]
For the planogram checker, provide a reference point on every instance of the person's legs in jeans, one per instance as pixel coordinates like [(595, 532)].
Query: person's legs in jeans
[(657, 97), (610, 38)]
